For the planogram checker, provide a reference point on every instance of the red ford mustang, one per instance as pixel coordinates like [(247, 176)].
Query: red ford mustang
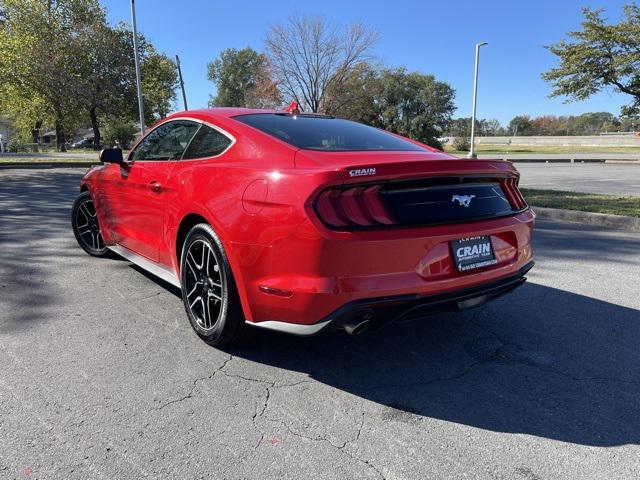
[(301, 223)]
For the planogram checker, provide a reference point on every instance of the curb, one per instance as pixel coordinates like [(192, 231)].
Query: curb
[(622, 222), (555, 160), (519, 158), (572, 160)]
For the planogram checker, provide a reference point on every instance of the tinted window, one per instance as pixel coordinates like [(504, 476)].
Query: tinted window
[(325, 133), (208, 142), (167, 142)]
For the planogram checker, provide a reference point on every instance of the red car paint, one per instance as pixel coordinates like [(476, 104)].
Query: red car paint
[(289, 266)]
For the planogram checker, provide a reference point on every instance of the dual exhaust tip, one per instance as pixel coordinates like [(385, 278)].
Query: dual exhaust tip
[(359, 322)]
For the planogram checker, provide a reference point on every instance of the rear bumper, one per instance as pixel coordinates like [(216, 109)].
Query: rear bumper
[(385, 310), (308, 274)]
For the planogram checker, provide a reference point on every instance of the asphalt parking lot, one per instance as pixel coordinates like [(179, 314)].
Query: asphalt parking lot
[(606, 178), (102, 377)]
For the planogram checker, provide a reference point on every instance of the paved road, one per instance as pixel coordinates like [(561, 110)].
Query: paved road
[(615, 179), (48, 155), (535, 156), (101, 376)]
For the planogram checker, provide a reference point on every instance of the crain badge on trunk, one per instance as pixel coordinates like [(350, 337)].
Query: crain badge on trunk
[(361, 172)]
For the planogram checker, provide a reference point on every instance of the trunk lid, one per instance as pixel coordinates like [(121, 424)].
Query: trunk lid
[(383, 166)]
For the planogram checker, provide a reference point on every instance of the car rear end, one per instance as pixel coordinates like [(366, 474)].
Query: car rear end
[(392, 235)]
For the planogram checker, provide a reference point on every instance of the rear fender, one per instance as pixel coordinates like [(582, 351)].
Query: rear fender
[(222, 234)]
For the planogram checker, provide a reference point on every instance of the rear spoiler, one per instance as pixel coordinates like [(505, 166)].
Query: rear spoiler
[(428, 168)]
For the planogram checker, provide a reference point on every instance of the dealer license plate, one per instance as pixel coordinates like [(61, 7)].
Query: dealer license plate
[(473, 252)]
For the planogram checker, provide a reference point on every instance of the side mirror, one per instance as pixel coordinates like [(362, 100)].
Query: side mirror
[(111, 155)]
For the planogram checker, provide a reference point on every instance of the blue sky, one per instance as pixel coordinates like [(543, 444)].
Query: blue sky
[(428, 36)]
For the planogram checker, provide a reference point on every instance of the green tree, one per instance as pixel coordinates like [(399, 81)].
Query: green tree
[(37, 42), (597, 56), (159, 78), (408, 103), (159, 83), (355, 97), (490, 127), (486, 127), (62, 62), (591, 123), (414, 105), (520, 125), (629, 124), (243, 79), (460, 127), (119, 131), (28, 113), (105, 73)]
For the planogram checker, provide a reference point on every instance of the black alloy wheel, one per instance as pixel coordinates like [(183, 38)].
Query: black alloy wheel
[(208, 288), (84, 221)]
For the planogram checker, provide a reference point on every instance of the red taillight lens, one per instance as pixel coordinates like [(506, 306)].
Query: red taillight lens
[(510, 187), (329, 210), (353, 207)]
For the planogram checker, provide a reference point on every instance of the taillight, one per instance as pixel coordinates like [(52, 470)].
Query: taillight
[(510, 187), (353, 207)]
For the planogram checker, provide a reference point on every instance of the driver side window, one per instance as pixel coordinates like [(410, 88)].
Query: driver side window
[(167, 142)]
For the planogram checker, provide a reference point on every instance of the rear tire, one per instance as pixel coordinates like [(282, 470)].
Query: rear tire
[(86, 228), (209, 290)]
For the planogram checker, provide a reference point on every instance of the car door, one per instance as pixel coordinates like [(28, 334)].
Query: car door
[(137, 190)]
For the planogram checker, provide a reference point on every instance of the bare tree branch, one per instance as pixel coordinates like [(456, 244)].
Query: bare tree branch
[(309, 55)]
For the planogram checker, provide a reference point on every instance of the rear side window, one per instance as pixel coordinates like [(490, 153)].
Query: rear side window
[(326, 133), (208, 142), (167, 142)]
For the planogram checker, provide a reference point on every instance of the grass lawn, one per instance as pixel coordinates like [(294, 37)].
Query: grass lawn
[(545, 149), (586, 202)]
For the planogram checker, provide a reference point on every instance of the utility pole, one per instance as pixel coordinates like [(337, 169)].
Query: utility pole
[(184, 95), (137, 62), (472, 151)]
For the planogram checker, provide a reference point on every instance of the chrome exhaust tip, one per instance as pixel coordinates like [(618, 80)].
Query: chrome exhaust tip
[(359, 323)]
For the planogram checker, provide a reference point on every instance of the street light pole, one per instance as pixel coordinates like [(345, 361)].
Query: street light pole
[(137, 62), (472, 151), (184, 95)]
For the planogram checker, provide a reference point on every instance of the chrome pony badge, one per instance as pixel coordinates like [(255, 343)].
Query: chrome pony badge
[(463, 200)]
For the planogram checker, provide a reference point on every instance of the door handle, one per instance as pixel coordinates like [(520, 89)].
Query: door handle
[(155, 187)]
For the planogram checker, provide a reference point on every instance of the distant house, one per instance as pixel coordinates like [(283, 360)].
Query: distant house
[(82, 133), (49, 137)]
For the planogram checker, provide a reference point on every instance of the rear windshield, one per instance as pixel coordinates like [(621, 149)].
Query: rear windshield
[(325, 133)]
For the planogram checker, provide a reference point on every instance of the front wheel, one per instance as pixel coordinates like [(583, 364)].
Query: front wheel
[(208, 288), (86, 228)]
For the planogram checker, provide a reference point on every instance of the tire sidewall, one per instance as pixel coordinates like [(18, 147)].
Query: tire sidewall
[(74, 210), (206, 233)]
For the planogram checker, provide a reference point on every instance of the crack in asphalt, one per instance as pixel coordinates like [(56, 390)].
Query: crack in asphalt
[(262, 408), (259, 414), (340, 447), (355, 457), (522, 360), (195, 384), (493, 357), (457, 376)]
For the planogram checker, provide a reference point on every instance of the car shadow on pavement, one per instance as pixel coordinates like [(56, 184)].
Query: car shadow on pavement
[(35, 221), (564, 370)]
